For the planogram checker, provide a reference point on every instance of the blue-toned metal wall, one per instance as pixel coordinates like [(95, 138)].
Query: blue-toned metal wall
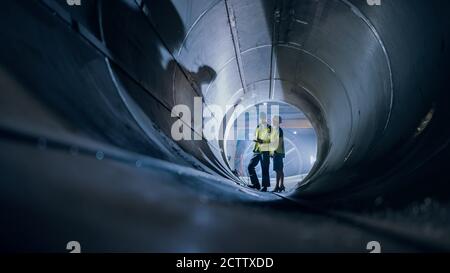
[(366, 76)]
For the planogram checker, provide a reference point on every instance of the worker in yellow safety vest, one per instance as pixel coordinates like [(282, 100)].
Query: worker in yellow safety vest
[(277, 152), (261, 153)]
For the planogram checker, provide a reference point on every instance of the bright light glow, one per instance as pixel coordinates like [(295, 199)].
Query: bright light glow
[(312, 159), (295, 132)]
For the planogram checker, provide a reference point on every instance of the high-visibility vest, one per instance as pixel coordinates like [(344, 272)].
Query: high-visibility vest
[(262, 133), (277, 142)]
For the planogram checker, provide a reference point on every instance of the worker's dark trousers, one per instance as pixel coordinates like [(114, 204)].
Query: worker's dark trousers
[(264, 158)]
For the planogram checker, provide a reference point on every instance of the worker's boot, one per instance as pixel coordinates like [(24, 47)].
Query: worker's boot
[(256, 187)]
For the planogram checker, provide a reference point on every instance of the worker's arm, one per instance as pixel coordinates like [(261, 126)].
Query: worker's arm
[(256, 138)]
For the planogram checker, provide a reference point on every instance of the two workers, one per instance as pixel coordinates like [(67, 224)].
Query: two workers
[(269, 142)]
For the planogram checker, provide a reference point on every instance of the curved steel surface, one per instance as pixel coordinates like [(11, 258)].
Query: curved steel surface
[(365, 76)]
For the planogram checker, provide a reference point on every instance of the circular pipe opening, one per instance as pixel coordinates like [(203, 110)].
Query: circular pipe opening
[(300, 142)]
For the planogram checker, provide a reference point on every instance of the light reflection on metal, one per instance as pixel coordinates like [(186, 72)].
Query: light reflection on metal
[(424, 122)]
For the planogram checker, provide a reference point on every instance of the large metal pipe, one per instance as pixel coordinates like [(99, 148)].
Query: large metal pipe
[(364, 75), (345, 63)]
